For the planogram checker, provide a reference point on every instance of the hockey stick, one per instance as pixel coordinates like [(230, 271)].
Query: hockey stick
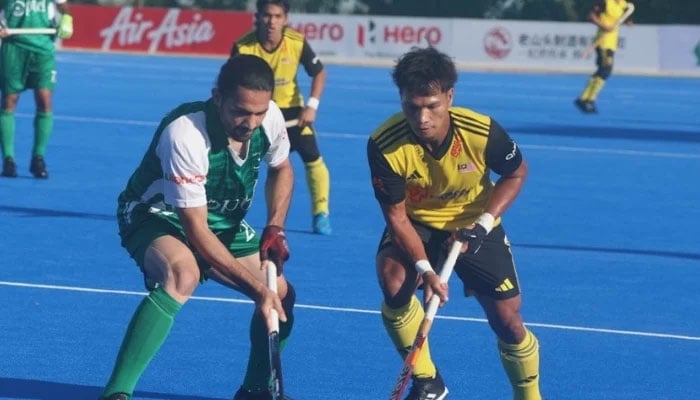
[(30, 31), (410, 361), (273, 340), (628, 11)]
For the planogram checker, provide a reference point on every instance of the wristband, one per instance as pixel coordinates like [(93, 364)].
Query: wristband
[(486, 220), (423, 266), (313, 103)]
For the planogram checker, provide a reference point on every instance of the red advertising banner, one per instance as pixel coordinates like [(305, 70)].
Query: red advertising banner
[(156, 30)]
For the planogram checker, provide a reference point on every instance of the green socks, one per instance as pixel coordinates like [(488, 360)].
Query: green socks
[(257, 375), (43, 125), (148, 329), (7, 133)]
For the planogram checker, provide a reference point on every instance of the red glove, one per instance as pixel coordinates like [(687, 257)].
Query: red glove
[(273, 246)]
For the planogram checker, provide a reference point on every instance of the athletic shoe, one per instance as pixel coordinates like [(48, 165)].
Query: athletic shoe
[(38, 168), (243, 394), (586, 107), (9, 168), (322, 224), (116, 396), (428, 389)]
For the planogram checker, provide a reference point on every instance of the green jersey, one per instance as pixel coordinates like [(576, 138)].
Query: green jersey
[(30, 14), (189, 164)]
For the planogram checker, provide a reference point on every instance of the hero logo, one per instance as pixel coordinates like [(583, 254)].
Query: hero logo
[(498, 43), (170, 32), (313, 31), (398, 34)]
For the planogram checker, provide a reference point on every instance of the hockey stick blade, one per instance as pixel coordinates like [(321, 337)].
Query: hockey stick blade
[(430, 312), (273, 341)]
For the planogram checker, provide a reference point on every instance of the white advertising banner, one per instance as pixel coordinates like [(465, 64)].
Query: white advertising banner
[(680, 48), (499, 44), (547, 45), (371, 37)]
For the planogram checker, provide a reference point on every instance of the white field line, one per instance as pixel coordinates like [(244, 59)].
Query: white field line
[(625, 152), (354, 310)]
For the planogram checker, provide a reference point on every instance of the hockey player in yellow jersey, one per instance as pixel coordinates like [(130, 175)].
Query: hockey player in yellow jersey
[(606, 15), (285, 49), (430, 166)]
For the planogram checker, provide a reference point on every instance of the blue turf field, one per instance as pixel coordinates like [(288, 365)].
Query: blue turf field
[(605, 237)]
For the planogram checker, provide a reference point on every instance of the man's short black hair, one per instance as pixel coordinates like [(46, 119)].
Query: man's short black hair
[(424, 71), (260, 4), (246, 71)]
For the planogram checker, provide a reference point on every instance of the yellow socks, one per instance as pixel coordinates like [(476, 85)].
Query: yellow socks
[(522, 365), (402, 326), (318, 179), (594, 86)]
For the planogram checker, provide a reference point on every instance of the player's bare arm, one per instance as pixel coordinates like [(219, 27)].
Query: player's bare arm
[(278, 192), (208, 246), (506, 190), (405, 237)]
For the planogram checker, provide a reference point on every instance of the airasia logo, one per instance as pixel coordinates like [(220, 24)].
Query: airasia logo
[(398, 34), (498, 43), (313, 31), (129, 28)]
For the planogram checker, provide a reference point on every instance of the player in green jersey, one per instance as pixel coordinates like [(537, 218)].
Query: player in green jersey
[(181, 218), (27, 62), (431, 166)]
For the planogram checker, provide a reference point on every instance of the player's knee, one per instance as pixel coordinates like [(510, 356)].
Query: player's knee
[(184, 280)]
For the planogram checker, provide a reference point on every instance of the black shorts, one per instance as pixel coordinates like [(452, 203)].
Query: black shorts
[(490, 272), (301, 140)]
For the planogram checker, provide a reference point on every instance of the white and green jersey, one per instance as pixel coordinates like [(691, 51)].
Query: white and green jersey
[(189, 164), (30, 14)]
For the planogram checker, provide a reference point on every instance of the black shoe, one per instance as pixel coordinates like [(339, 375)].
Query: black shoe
[(243, 394), (9, 168), (587, 107), (38, 168), (116, 396), (428, 389)]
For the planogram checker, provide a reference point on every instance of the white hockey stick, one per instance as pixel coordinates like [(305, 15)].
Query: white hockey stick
[(410, 360), (30, 31)]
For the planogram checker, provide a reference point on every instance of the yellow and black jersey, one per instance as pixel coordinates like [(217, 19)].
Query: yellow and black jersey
[(447, 190), (292, 51), (609, 12)]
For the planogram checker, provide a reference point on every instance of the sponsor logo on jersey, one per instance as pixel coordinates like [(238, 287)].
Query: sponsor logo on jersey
[(26, 8), (182, 180)]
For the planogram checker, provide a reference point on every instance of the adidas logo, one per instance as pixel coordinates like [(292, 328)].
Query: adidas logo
[(414, 175), (505, 286)]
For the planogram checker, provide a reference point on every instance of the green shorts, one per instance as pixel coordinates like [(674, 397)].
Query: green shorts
[(241, 242), (22, 69)]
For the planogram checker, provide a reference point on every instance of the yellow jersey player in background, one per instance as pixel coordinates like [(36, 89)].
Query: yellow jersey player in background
[(431, 167), (285, 50), (605, 14)]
